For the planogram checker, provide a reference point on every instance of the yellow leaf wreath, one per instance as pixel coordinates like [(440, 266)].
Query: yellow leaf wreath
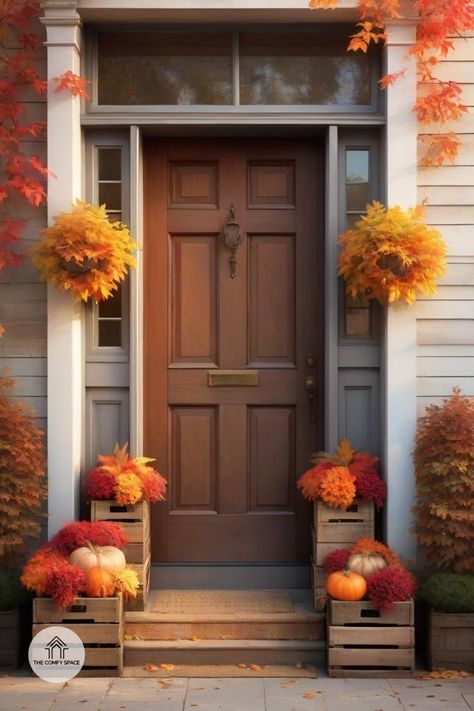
[(84, 253), (392, 255)]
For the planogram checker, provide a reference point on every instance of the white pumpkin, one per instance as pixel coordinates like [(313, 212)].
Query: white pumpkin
[(366, 565), (89, 556)]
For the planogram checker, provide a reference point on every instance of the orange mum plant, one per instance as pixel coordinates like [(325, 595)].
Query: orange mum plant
[(84, 253), (392, 255), (339, 478), (125, 479)]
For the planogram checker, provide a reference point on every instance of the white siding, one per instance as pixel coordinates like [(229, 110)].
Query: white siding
[(22, 296), (445, 324)]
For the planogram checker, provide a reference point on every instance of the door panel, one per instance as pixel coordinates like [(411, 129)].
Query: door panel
[(232, 453)]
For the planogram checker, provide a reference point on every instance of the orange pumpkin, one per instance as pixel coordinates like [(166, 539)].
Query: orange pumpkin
[(99, 582), (346, 585)]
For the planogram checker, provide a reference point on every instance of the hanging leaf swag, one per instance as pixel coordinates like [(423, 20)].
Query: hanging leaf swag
[(84, 253), (392, 255)]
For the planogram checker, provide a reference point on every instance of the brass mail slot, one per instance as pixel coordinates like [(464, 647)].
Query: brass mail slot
[(231, 378)]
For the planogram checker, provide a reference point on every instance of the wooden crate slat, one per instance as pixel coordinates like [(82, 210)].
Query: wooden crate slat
[(343, 534), (95, 633), (95, 609), (365, 657), (363, 612), (451, 641), (393, 636), (103, 656), (111, 511), (143, 572), (359, 511), (136, 532), (137, 552)]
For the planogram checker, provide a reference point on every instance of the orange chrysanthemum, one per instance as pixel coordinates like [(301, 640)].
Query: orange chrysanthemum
[(337, 487), (369, 545), (128, 488)]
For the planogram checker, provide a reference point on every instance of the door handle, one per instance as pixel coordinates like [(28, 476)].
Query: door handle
[(310, 385)]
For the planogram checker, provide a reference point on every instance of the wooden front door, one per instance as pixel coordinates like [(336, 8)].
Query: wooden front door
[(232, 443)]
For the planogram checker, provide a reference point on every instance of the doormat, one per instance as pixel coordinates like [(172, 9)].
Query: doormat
[(235, 602)]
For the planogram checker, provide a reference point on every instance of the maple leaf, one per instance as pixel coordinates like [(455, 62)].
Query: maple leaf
[(390, 79), (73, 83), (345, 451)]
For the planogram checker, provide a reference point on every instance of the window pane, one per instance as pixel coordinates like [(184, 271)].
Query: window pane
[(357, 316), (110, 164), (301, 68), (111, 195), (357, 180), (110, 333), (112, 308), (165, 68)]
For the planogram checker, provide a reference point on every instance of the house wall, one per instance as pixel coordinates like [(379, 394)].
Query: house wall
[(22, 296), (445, 323)]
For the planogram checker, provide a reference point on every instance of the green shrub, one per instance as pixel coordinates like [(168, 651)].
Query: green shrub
[(449, 592), (12, 593)]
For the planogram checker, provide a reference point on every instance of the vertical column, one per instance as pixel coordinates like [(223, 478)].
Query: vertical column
[(399, 358), (331, 397), (136, 294), (65, 337)]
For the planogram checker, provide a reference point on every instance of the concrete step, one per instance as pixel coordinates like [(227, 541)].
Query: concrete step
[(221, 671), (299, 623), (227, 652)]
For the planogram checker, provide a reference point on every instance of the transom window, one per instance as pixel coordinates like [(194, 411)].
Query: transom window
[(224, 68)]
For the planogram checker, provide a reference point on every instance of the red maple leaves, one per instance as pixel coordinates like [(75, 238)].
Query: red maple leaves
[(439, 102)]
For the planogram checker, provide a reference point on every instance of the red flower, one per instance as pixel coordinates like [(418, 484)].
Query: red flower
[(154, 486), (99, 485), (370, 487), (337, 559), (99, 533), (390, 585), (64, 582)]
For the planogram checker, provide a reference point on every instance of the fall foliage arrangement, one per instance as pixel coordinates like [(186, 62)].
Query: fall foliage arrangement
[(125, 479), (82, 558), (369, 568), (444, 470), (22, 475), (340, 478), (391, 255), (84, 253)]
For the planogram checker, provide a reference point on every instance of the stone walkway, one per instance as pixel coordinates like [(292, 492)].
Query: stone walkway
[(322, 694)]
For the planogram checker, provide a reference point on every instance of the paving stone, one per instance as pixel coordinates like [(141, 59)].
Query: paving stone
[(432, 695), (27, 694), (293, 695), (364, 700), (144, 694), (469, 699), (225, 695), (81, 694)]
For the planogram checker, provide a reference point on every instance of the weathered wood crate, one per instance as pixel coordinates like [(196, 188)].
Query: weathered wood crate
[(98, 621), (135, 520), (9, 639), (335, 528), (318, 578), (363, 642), (451, 641)]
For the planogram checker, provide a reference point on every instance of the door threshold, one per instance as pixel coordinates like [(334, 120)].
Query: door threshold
[(198, 576)]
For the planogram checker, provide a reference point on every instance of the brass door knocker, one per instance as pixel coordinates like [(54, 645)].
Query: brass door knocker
[(233, 237)]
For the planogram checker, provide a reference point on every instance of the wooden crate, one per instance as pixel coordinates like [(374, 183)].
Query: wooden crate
[(363, 642), (318, 580), (97, 621), (451, 641), (134, 519), (143, 572), (335, 528)]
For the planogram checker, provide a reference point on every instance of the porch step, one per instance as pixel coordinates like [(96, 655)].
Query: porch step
[(224, 652), (220, 671), (298, 622)]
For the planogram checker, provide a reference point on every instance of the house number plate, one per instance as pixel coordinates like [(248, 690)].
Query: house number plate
[(231, 378)]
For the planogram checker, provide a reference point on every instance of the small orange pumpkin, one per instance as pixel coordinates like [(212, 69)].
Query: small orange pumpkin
[(99, 582), (346, 585)]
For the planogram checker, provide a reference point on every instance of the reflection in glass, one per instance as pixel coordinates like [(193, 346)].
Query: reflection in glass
[(165, 68), (110, 333), (357, 316), (301, 68), (110, 194), (110, 164)]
